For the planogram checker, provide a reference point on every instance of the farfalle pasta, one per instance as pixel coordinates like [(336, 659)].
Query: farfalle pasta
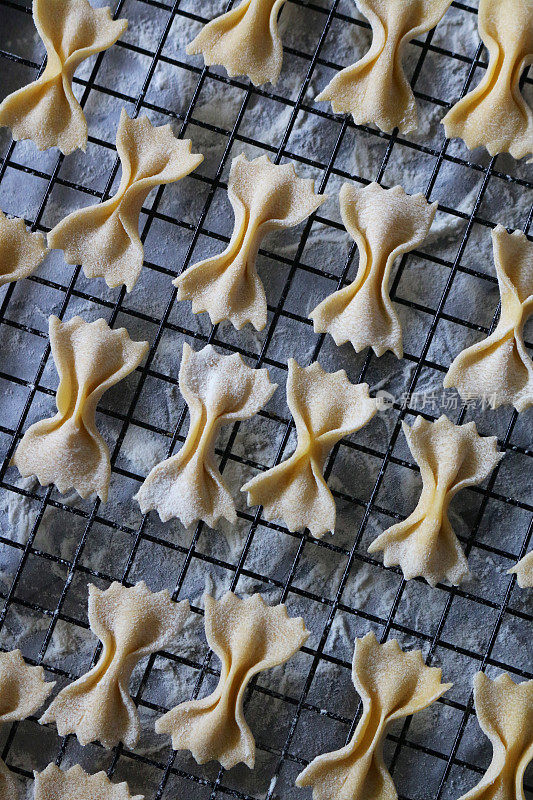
[(248, 636), (104, 238), (325, 407), (450, 458), (385, 223), (375, 89), (499, 368), (264, 197), (22, 691), (54, 783), (505, 714), (131, 623), (218, 390), (524, 571), (244, 40), (46, 110), (495, 115), (21, 252), (67, 449), (392, 684)]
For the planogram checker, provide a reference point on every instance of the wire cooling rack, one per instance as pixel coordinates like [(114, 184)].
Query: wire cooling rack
[(500, 606)]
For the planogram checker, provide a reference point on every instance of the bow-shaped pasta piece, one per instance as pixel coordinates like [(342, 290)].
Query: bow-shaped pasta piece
[(524, 571), (244, 40), (68, 449), (385, 223), (450, 458), (218, 390), (505, 714), (22, 691), (375, 89), (21, 252), (392, 685), (55, 784), (248, 636), (499, 367), (46, 110), (264, 197), (104, 238), (325, 407), (131, 623), (495, 115)]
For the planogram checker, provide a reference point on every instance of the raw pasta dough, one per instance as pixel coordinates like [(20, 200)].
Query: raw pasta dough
[(104, 238), (450, 458), (505, 714), (499, 369), (524, 571), (375, 89), (244, 40), (21, 252), (67, 449), (131, 623), (393, 685), (495, 115), (22, 691), (46, 110), (385, 223), (264, 197), (218, 390), (325, 407), (76, 784), (248, 636)]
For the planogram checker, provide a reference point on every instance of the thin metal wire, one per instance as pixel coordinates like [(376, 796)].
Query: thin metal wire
[(139, 535)]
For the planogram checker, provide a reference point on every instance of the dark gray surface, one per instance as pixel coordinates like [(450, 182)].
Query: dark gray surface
[(51, 546)]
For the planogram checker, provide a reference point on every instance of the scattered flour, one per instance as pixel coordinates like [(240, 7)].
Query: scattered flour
[(369, 588)]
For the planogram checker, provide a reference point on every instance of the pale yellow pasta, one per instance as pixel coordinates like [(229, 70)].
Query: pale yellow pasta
[(450, 458), (76, 784), (385, 223), (67, 449), (375, 90), (22, 691), (47, 110), (393, 685), (21, 252), (264, 197), (131, 623), (495, 115), (499, 369), (505, 714), (244, 40), (218, 390), (325, 407), (524, 571), (104, 238), (248, 636)]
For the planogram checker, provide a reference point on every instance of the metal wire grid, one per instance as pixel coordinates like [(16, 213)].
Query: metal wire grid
[(218, 786)]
